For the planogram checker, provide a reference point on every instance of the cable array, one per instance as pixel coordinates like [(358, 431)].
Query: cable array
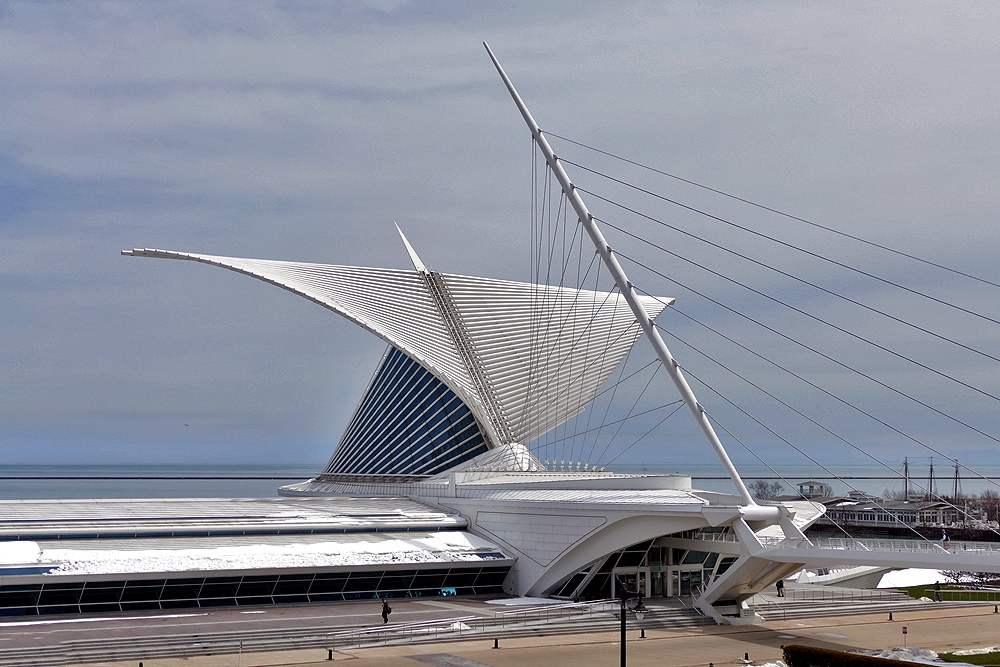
[(624, 401)]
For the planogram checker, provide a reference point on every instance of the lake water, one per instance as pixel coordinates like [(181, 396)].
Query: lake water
[(23, 482), (259, 481)]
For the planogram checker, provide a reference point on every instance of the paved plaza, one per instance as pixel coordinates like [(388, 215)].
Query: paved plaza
[(938, 629)]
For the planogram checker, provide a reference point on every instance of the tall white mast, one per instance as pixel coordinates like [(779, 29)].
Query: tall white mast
[(625, 287)]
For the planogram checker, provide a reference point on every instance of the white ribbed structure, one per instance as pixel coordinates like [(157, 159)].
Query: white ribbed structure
[(546, 350), (543, 352)]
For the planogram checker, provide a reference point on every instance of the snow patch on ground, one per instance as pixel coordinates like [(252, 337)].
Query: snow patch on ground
[(525, 602), (911, 577), (978, 651), (909, 654)]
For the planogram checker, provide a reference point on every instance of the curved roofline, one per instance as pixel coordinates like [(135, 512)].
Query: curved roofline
[(397, 306), (471, 401)]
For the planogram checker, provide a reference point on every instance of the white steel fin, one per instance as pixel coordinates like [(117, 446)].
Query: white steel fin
[(539, 353), (417, 264), (626, 288)]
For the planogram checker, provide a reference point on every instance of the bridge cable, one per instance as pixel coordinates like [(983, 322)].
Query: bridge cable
[(930, 492), (643, 436), (786, 274), (786, 244), (813, 317), (630, 410), (777, 212), (755, 455), (633, 416), (808, 382)]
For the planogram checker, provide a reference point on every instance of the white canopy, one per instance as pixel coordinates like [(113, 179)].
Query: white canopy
[(524, 357)]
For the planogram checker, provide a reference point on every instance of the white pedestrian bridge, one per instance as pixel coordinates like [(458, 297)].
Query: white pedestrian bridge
[(950, 555)]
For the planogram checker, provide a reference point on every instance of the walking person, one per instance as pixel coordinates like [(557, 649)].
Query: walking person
[(937, 592), (780, 587), (386, 610)]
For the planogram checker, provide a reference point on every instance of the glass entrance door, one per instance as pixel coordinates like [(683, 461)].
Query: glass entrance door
[(633, 580), (684, 582), (690, 582)]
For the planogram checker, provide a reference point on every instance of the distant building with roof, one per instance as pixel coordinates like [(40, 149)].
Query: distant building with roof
[(882, 513), (812, 489)]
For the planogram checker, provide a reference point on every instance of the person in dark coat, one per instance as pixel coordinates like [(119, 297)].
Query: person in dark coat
[(386, 610), (780, 587)]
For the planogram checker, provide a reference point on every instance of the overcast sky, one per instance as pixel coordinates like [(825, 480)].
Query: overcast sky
[(302, 130)]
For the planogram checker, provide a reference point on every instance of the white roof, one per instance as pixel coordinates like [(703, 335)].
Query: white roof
[(543, 351), (37, 519), (168, 556)]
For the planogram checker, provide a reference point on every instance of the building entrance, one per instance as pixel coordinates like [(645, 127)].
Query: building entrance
[(632, 579), (685, 582)]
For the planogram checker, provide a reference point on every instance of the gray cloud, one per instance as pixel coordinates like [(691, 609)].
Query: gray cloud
[(302, 130)]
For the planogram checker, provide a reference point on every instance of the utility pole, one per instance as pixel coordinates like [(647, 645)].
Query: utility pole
[(906, 479), (957, 485), (930, 481)]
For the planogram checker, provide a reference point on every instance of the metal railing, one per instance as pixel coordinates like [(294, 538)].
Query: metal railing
[(758, 601), (880, 544), (716, 537), (697, 590), (820, 593), (964, 595), (451, 628)]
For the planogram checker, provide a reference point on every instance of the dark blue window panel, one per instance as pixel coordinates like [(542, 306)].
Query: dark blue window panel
[(407, 423), (101, 597)]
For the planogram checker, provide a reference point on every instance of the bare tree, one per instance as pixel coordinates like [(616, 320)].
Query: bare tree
[(763, 490), (989, 502)]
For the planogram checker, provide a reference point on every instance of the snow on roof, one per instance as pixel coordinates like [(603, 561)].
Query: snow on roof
[(166, 556), (665, 498), (64, 518)]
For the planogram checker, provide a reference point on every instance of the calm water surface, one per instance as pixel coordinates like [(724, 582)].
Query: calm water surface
[(261, 481), (35, 482)]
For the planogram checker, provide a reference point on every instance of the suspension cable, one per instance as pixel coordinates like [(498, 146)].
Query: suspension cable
[(634, 404), (798, 310), (745, 446), (790, 275), (642, 437), (839, 437), (776, 211), (812, 384), (630, 417), (786, 244)]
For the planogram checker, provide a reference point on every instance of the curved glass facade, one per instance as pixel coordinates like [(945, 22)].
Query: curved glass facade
[(408, 423), (59, 597)]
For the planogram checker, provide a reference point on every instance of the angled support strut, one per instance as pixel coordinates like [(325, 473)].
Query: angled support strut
[(626, 288)]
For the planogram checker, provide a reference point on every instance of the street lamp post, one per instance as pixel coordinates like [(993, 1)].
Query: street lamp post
[(624, 595)]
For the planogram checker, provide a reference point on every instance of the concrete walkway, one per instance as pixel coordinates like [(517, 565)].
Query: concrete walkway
[(934, 628)]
